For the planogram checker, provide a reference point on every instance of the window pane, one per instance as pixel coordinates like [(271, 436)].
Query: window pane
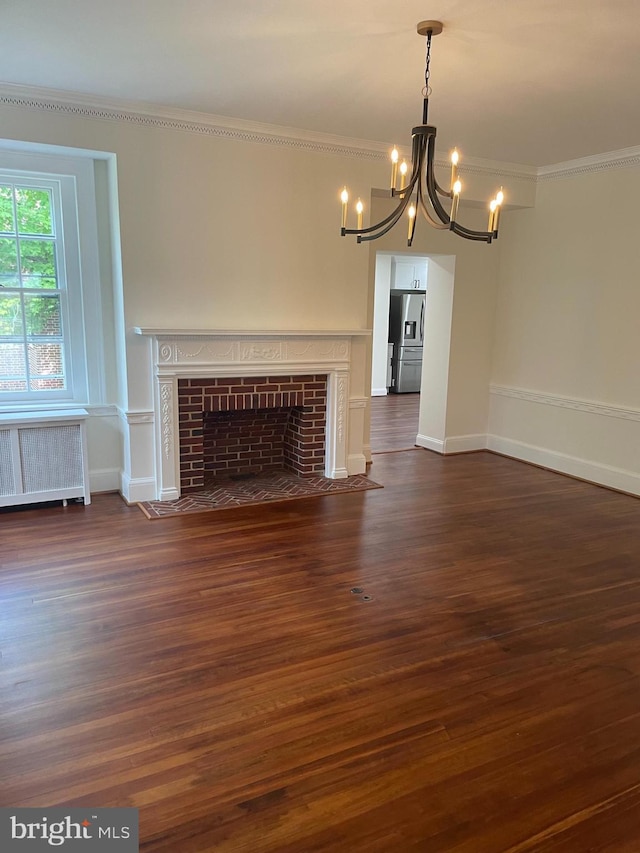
[(8, 255), (45, 364), (39, 281), (42, 315), (34, 211), (50, 384), (12, 368), (9, 280), (12, 385), (37, 257), (10, 316), (36, 314), (6, 209)]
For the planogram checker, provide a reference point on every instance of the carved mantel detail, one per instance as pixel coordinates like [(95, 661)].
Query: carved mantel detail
[(166, 418)]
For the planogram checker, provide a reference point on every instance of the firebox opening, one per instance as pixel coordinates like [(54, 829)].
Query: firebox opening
[(247, 426), (244, 444)]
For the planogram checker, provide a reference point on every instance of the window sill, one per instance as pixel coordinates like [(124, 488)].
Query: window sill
[(54, 410)]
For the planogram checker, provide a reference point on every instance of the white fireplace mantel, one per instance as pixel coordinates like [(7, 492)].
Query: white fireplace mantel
[(235, 333), (202, 353)]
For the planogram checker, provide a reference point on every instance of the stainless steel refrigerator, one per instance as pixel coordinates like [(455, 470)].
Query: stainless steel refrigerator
[(406, 333)]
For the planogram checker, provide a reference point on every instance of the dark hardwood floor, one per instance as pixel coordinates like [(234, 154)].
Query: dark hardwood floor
[(394, 422), (217, 672)]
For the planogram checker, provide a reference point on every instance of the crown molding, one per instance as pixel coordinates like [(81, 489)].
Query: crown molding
[(169, 118), (477, 166), (586, 165), (82, 105)]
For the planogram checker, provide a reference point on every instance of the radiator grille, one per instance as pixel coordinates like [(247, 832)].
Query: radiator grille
[(51, 457), (7, 482)]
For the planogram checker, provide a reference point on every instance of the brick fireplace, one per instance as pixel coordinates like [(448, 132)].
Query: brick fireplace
[(227, 371), (243, 426)]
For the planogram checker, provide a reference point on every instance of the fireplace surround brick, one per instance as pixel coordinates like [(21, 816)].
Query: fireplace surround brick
[(235, 426)]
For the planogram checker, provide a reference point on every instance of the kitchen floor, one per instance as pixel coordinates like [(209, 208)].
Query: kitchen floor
[(394, 422)]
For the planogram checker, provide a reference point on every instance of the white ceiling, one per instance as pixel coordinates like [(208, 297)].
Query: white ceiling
[(524, 81)]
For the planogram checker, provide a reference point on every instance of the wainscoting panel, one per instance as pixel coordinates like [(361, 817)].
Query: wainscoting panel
[(588, 439)]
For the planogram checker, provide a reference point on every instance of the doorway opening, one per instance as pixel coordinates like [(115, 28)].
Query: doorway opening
[(410, 376)]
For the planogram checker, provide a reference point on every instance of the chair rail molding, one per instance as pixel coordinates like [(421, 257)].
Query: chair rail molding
[(591, 406)]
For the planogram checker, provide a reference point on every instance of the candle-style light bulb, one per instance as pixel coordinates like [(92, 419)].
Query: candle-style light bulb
[(412, 222), (394, 167), (457, 189), (359, 209), (344, 198), (492, 213), (496, 216), (403, 174), (454, 166)]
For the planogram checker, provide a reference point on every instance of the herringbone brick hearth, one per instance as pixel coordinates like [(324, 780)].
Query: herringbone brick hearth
[(280, 486)]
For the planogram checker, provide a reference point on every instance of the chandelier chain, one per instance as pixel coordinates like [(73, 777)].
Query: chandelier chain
[(427, 72)]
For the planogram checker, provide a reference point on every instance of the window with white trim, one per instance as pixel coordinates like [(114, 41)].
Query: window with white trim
[(33, 292), (50, 317)]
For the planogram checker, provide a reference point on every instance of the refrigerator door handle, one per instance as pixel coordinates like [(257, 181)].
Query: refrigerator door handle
[(422, 323)]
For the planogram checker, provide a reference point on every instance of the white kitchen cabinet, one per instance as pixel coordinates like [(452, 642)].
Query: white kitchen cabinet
[(43, 457), (409, 274)]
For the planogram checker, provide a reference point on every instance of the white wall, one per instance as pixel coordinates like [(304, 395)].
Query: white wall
[(565, 377), (215, 232), (381, 324), (434, 390)]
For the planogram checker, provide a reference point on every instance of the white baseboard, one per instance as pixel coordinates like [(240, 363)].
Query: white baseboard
[(337, 474), (465, 443), (356, 464), (169, 495), (104, 480), (583, 469), (379, 392), (453, 444), (135, 490), (430, 443)]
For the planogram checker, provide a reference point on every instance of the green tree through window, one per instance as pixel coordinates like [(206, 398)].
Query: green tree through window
[(32, 354)]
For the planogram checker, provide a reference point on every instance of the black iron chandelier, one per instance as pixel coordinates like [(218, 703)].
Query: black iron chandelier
[(422, 192)]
